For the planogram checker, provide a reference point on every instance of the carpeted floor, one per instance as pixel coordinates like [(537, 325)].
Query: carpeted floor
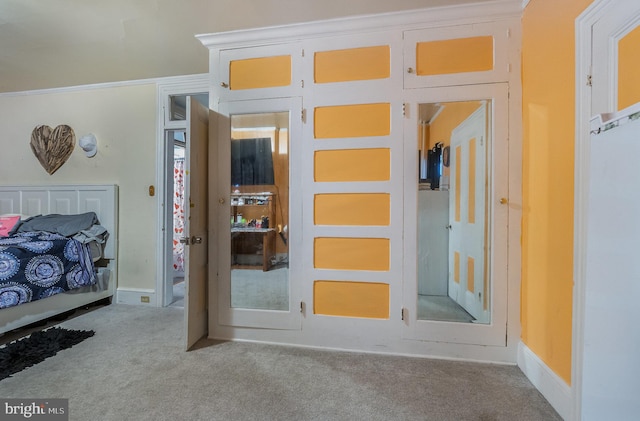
[(134, 368), (442, 308)]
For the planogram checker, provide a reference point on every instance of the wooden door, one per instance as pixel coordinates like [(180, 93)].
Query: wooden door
[(195, 256)]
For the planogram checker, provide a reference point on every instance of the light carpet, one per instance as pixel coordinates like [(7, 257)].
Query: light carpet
[(134, 368)]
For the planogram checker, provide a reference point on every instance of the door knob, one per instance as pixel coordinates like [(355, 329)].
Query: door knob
[(196, 240), (503, 201), (410, 70), (224, 85), (221, 200), (448, 227)]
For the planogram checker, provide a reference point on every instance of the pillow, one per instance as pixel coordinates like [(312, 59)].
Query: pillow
[(7, 223)]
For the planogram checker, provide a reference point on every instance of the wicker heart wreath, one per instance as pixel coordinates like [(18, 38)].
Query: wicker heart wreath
[(52, 147)]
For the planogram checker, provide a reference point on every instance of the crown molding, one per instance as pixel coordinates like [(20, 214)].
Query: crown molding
[(419, 18), (197, 78)]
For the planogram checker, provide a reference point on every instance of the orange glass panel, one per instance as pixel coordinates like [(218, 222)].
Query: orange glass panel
[(351, 299), (472, 181), (351, 253), (359, 120), (629, 69), (264, 72), (458, 179), (470, 274), (352, 165), (456, 267), (352, 64), (459, 55), (352, 209)]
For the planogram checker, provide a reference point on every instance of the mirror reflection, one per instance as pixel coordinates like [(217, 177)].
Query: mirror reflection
[(259, 211), (452, 257)]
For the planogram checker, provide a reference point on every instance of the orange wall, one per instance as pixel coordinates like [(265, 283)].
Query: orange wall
[(449, 118), (548, 66), (629, 69)]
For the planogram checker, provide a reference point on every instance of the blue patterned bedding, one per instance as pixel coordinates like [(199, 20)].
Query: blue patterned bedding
[(36, 265)]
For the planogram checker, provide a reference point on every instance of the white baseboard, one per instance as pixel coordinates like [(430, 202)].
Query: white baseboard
[(136, 296), (552, 387)]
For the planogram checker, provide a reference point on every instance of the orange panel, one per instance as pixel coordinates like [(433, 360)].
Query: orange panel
[(629, 69), (456, 267), (454, 56), (359, 120), (352, 209), (352, 165), (352, 64), (470, 274), (351, 299), (472, 181), (458, 179), (351, 253), (265, 72)]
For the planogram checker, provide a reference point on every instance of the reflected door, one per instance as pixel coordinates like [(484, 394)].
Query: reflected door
[(468, 285), (255, 261)]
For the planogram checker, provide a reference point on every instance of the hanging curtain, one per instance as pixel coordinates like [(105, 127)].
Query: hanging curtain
[(178, 214)]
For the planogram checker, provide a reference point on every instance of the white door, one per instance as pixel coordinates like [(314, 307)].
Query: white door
[(467, 225), (606, 335), (491, 184), (259, 214), (195, 240)]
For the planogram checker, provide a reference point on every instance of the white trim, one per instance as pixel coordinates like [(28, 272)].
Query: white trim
[(421, 18), (552, 387), (100, 86), (183, 85), (525, 3), (583, 46), (134, 296)]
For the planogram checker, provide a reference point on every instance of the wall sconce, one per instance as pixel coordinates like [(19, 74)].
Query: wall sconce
[(89, 145)]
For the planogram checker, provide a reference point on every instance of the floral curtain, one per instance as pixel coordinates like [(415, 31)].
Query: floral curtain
[(178, 214)]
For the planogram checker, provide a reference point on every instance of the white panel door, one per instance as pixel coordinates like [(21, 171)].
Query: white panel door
[(195, 215), (467, 214)]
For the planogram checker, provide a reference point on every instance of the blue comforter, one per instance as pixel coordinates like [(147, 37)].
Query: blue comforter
[(36, 265)]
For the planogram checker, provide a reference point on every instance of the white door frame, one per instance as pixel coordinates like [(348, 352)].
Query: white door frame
[(584, 44), (183, 85)]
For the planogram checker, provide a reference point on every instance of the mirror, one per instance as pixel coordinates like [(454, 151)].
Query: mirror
[(259, 205), (454, 144)]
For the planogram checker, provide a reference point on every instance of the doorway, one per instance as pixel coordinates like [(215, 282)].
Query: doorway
[(175, 191), (171, 285)]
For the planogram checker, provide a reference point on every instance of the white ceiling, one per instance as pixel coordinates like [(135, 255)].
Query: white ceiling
[(56, 43)]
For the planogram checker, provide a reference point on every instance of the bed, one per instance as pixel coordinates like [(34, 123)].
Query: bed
[(88, 258)]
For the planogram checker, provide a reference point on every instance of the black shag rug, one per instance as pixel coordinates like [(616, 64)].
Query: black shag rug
[(35, 348)]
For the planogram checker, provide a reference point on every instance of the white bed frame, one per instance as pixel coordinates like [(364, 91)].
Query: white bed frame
[(65, 200)]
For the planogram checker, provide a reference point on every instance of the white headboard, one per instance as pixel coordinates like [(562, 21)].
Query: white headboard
[(66, 200)]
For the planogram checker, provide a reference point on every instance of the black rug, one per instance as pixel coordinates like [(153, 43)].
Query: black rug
[(29, 351)]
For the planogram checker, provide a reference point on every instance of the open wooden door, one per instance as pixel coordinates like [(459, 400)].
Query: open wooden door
[(195, 239)]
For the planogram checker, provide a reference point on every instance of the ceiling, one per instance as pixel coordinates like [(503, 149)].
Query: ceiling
[(58, 43)]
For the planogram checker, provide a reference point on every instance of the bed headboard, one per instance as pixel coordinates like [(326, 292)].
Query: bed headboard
[(66, 200)]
